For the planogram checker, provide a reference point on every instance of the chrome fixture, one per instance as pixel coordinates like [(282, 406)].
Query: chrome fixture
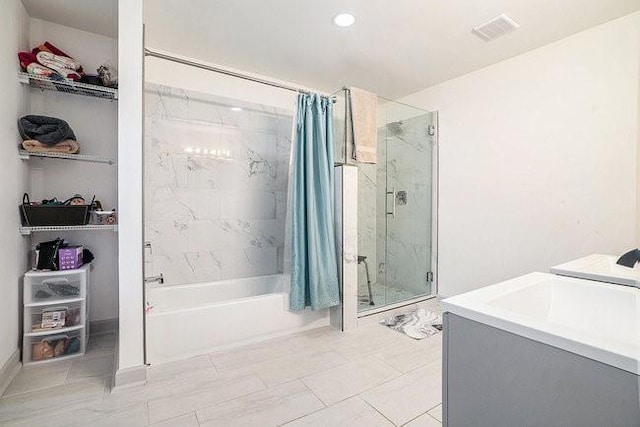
[(363, 260), (152, 279)]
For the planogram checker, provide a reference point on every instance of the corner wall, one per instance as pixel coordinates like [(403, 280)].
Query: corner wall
[(130, 366), (638, 165), (14, 174), (538, 157)]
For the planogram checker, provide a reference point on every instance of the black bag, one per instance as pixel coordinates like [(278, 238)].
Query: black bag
[(47, 254)]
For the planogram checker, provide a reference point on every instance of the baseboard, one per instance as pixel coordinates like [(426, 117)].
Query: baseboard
[(129, 377), (9, 370), (106, 326)]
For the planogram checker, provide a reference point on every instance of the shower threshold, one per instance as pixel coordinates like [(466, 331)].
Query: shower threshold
[(395, 305)]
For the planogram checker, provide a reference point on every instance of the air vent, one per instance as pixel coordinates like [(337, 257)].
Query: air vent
[(497, 27)]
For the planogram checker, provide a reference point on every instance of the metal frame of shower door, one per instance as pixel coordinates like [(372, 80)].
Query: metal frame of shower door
[(435, 139), (144, 188)]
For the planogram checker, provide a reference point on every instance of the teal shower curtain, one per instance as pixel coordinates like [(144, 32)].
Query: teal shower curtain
[(314, 270)]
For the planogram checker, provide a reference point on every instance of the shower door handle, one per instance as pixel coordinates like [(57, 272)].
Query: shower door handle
[(391, 193)]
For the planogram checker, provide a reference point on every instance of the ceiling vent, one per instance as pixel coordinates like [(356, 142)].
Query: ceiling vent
[(497, 27)]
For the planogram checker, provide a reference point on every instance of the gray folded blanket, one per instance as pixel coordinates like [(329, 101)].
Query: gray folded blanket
[(47, 130)]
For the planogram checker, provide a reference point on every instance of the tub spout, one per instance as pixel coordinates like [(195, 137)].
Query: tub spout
[(151, 279)]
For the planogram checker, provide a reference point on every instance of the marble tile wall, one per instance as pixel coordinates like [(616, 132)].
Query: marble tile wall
[(370, 219), (215, 186)]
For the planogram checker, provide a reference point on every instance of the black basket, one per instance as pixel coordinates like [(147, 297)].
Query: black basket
[(52, 215)]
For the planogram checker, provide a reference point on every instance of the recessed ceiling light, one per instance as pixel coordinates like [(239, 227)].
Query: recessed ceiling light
[(236, 109), (344, 20)]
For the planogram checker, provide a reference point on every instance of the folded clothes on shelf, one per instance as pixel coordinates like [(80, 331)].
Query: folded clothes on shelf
[(49, 61), (68, 146), (47, 130), (59, 64), (67, 61), (29, 63)]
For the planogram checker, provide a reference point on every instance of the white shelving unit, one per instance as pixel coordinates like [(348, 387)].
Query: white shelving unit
[(26, 155), (92, 113), (26, 231), (68, 86), (47, 291), (73, 88)]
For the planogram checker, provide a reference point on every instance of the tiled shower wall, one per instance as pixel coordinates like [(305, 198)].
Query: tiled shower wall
[(216, 173)]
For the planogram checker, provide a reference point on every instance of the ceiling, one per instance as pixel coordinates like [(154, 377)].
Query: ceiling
[(395, 48), (95, 16)]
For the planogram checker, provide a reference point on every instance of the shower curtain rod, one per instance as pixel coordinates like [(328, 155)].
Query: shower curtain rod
[(149, 52)]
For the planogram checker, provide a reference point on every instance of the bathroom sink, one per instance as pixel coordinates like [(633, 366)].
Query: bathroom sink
[(600, 321), (602, 268)]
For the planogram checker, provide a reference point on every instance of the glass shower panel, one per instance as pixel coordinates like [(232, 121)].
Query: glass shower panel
[(395, 210), (409, 171)]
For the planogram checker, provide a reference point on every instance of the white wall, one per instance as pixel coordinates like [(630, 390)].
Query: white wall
[(130, 124), (638, 168), (13, 172), (94, 122), (172, 74), (538, 157)]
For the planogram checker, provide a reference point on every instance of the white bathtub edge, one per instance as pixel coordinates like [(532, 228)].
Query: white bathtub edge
[(189, 355)]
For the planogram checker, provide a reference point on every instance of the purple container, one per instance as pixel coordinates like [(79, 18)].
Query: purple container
[(70, 257)]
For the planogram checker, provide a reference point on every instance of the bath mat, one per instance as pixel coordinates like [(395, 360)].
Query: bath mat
[(418, 324)]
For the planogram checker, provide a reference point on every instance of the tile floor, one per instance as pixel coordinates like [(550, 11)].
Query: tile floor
[(382, 294), (370, 377)]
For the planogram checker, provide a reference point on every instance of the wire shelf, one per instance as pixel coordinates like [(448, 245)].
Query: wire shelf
[(26, 155), (25, 231), (67, 86)]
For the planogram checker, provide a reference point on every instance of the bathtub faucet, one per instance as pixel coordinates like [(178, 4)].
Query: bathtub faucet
[(151, 279)]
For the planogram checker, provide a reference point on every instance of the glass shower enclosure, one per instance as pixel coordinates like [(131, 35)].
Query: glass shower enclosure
[(396, 209)]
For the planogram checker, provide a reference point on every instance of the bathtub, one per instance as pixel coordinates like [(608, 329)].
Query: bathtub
[(187, 320)]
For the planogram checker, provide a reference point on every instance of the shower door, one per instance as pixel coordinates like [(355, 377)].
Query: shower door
[(408, 216), (395, 229)]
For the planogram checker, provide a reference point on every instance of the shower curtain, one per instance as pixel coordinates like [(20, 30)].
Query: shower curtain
[(314, 270)]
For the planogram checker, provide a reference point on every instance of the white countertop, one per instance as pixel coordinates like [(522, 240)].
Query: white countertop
[(600, 321), (602, 268)]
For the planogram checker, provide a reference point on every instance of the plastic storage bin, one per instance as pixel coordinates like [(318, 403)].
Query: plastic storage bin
[(54, 346), (49, 287), (54, 293), (74, 317)]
